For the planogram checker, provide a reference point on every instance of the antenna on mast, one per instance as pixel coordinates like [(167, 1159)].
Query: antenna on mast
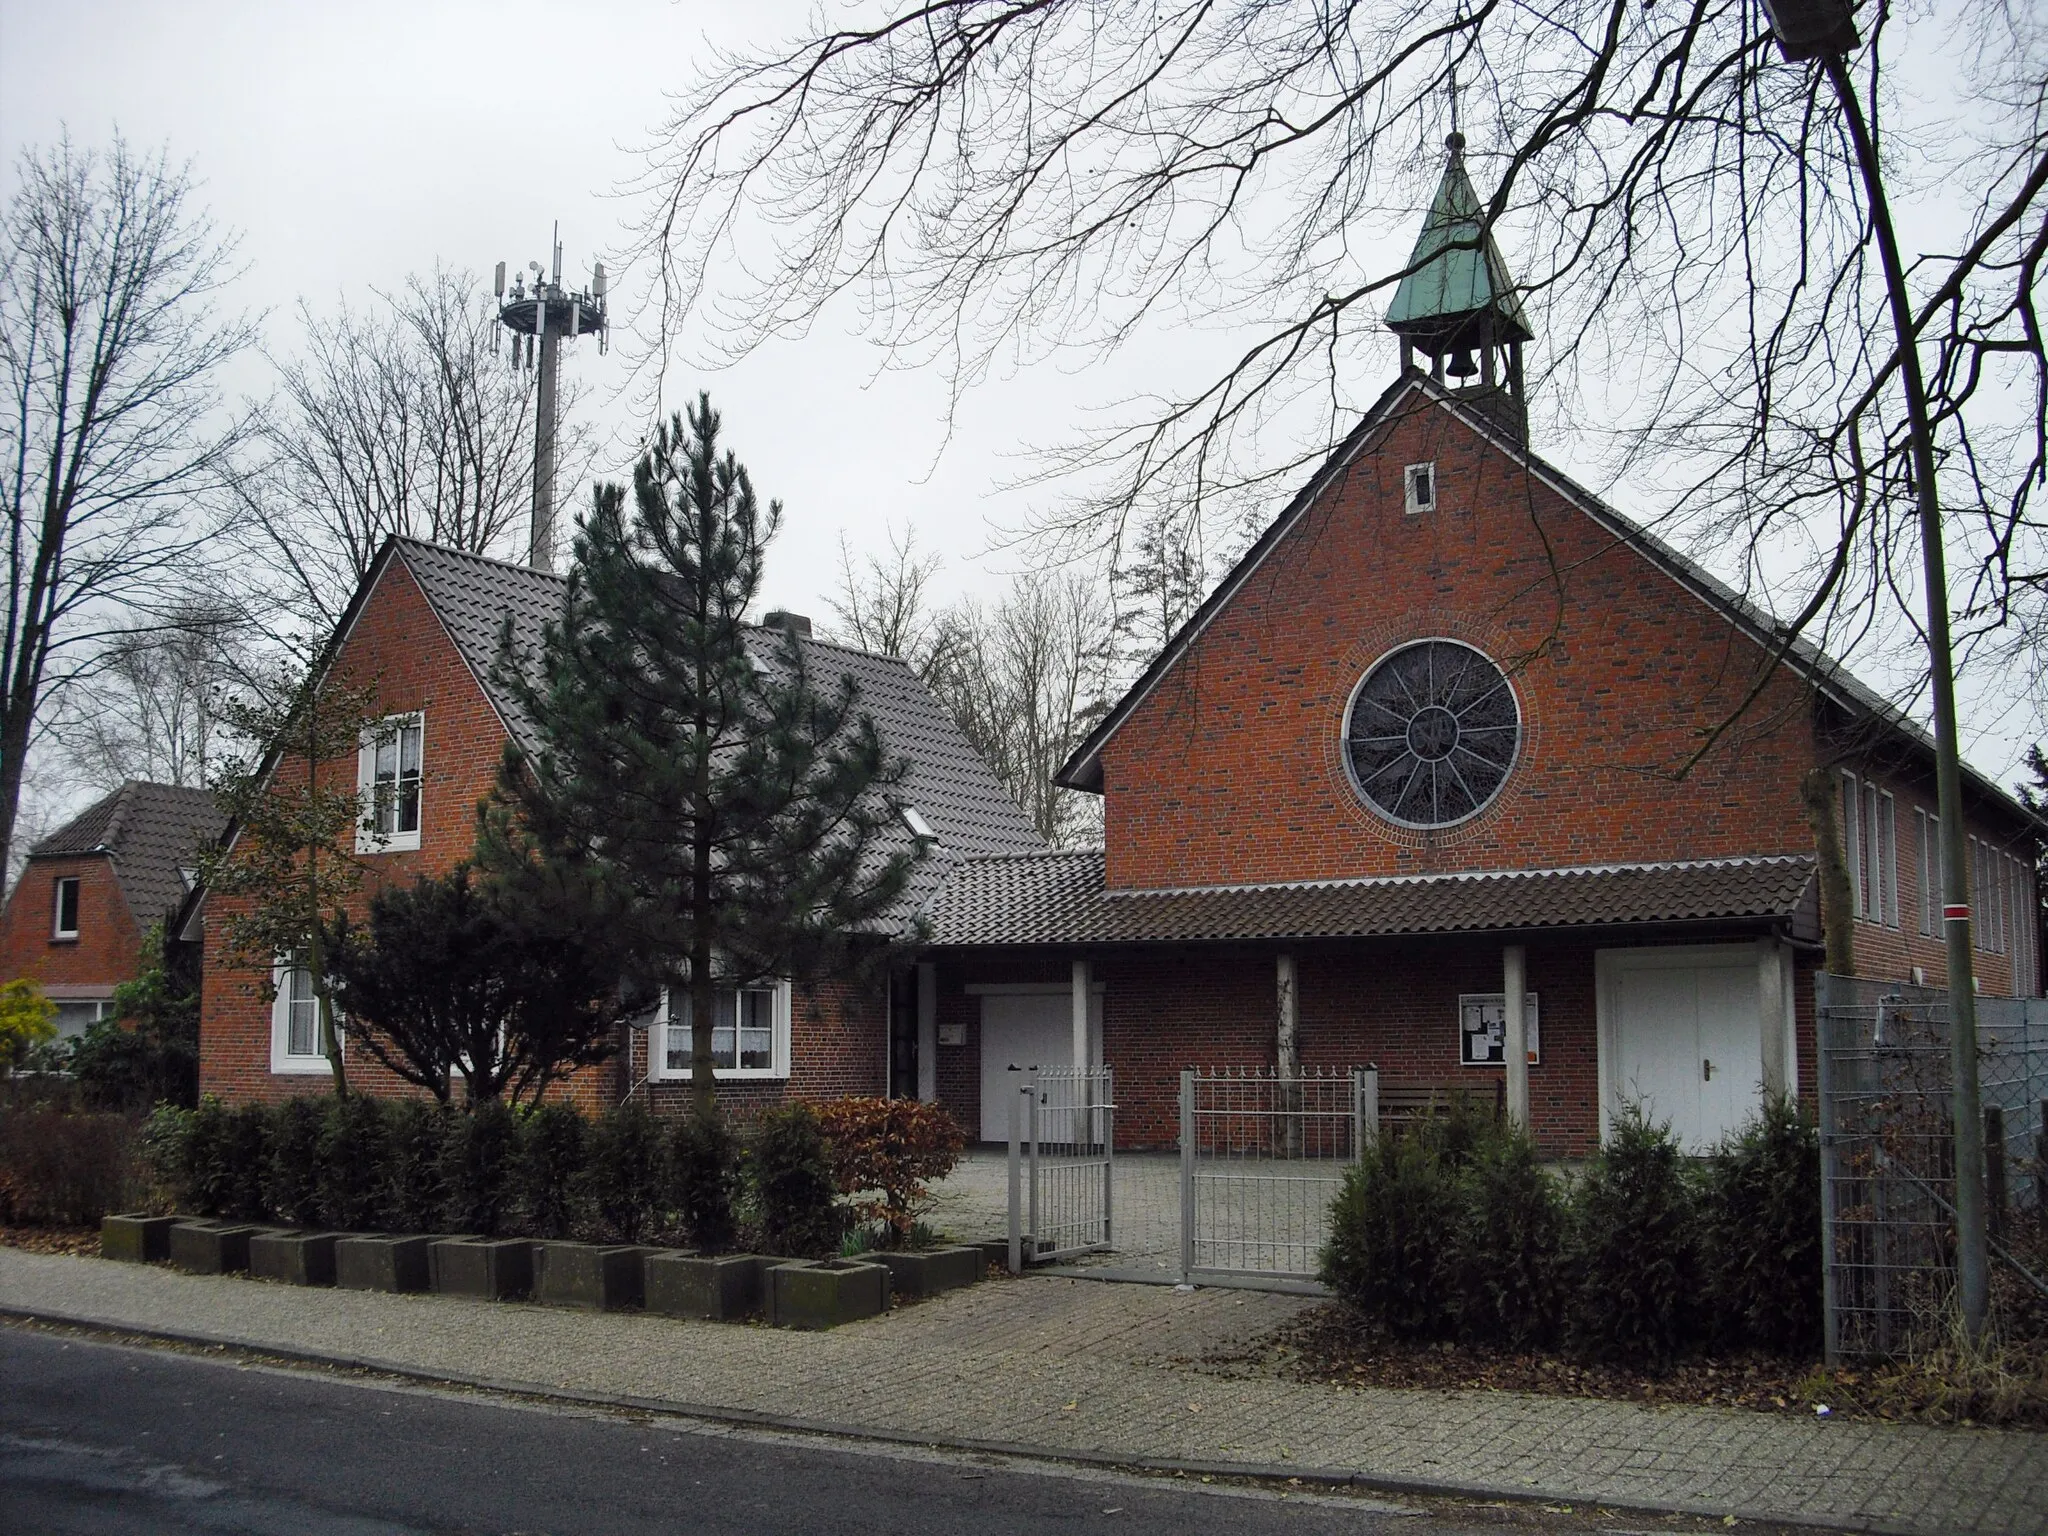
[(540, 320)]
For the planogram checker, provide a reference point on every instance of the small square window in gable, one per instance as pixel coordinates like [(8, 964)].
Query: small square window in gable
[(1418, 483)]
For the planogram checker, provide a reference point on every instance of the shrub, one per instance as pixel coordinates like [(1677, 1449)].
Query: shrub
[(1508, 1245), (550, 1167), (789, 1168), (1635, 1238), (1761, 1234), (479, 1165), (291, 1186), (147, 1051), (353, 1188), (65, 1169), (415, 1133), (163, 1156), (27, 1020), (883, 1150), (1390, 1233), (626, 1176), (703, 1167), (224, 1156)]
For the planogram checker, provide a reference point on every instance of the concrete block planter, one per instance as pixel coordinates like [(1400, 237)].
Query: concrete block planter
[(496, 1269), (381, 1263), (136, 1239), (211, 1247), (825, 1293), (926, 1273), (994, 1250), (603, 1277), (721, 1287), (296, 1258)]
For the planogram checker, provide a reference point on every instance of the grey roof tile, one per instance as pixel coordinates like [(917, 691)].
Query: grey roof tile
[(150, 832), (1059, 898)]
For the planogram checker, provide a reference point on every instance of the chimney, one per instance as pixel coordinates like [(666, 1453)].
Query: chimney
[(794, 623)]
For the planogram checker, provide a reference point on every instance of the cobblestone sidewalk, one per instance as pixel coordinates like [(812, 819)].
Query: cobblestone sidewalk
[(1060, 1365)]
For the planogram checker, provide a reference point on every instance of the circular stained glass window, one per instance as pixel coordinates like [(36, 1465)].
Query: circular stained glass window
[(1432, 734)]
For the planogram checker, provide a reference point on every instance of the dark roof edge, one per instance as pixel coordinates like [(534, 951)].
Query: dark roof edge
[(1473, 876), (1083, 769)]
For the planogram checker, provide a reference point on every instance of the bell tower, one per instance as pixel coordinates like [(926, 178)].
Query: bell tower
[(1457, 305)]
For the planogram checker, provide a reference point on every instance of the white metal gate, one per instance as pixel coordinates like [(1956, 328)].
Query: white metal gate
[(1262, 1156), (1062, 1164)]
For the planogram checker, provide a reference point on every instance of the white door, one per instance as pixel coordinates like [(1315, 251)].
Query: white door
[(1020, 1031), (1682, 1034)]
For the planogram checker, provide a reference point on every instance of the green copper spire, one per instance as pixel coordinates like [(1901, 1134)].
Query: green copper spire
[(1458, 275)]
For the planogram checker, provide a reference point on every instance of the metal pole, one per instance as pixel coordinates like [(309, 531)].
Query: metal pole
[(1030, 1091), (1108, 1158), (541, 543), (1016, 1186), (1187, 1174), (1972, 1256), (1824, 1082)]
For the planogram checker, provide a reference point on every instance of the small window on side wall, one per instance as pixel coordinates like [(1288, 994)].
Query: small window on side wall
[(749, 1033), (295, 1022), (1419, 481), (388, 773), (64, 924)]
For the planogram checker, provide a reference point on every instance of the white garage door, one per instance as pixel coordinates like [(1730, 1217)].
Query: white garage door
[(1683, 1035), (1020, 1031)]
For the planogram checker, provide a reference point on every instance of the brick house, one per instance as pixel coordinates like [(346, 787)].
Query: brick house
[(423, 628), (1418, 751), (91, 891)]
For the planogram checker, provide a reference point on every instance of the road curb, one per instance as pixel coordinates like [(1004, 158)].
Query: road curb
[(1281, 1472)]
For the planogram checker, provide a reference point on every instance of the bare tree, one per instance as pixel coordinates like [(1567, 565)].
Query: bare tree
[(997, 180), (112, 441), (403, 418), (883, 604)]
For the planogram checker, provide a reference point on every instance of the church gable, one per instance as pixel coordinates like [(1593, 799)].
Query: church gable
[(1432, 550)]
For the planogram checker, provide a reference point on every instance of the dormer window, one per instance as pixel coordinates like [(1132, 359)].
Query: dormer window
[(919, 827), (65, 917), (1420, 480), (388, 774)]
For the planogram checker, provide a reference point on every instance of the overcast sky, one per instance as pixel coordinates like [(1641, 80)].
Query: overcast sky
[(350, 145)]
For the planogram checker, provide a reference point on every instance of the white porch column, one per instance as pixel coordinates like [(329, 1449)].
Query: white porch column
[(1287, 1041), (1770, 1001), (1082, 986), (1514, 967), (928, 1032)]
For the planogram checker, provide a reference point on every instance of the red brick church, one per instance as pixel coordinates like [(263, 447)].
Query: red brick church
[(1416, 752)]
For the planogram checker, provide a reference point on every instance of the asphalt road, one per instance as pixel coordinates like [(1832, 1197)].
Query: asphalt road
[(98, 1437)]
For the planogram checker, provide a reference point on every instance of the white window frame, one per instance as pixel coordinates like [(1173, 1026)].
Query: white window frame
[(1888, 859), (1928, 829), (1852, 839), (57, 928), (369, 838), (778, 1056), (284, 1061), (1418, 475)]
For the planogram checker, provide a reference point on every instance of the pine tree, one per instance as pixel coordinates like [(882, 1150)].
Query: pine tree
[(733, 810)]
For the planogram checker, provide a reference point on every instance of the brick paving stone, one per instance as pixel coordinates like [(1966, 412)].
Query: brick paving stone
[(1074, 1365)]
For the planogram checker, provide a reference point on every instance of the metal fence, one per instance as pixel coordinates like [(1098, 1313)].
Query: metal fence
[(1888, 1150), (1062, 1164), (1262, 1156)]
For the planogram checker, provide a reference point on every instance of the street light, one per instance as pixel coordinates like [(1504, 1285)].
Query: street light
[(1824, 30)]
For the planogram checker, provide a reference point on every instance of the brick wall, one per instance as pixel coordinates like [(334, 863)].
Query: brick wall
[(108, 949), (1233, 770)]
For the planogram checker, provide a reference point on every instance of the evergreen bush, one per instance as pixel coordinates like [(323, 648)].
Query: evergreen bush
[(553, 1147), (415, 1138), (353, 1179), (163, 1153), (1636, 1246), (1761, 1234), (479, 1165), (291, 1181), (789, 1174), (703, 1167), (626, 1174), (1508, 1245), (224, 1157), (1390, 1235)]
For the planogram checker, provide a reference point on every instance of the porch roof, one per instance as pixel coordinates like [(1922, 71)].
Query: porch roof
[(1059, 898)]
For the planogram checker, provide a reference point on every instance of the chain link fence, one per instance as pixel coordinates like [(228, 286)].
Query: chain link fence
[(1888, 1151)]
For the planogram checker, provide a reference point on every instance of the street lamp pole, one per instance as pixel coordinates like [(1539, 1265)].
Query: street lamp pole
[(1823, 29)]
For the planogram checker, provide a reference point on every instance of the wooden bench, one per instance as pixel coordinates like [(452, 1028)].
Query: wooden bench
[(1404, 1104)]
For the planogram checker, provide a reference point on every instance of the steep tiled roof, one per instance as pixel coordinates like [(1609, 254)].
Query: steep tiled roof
[(1058, 898), (948, 783), (150, 832)]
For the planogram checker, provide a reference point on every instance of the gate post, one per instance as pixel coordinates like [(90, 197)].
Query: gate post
[(1187, 1174), (1108, 1158), (1016, 1187), (1824, 1089), (1365, 1110), (1030, 1095)]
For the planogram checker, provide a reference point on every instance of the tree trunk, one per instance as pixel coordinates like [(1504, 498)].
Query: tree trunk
[(1837, 905), (316, 958)]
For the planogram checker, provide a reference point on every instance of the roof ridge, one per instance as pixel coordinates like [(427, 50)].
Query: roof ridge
[(407, 540)]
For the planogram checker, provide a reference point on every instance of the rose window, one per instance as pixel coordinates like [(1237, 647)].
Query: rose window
[(1432, 734)]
